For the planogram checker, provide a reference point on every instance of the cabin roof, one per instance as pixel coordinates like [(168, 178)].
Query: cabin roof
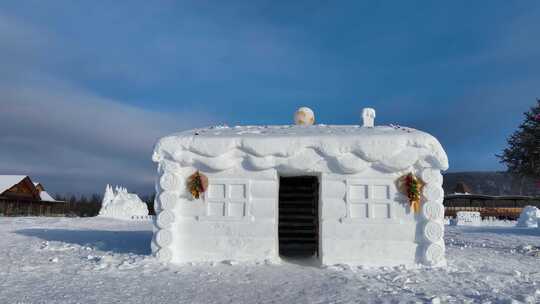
[(45, 196), (8, 181), (317, 148)]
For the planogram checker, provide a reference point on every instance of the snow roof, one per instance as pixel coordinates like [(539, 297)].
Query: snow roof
[(317, 148), (45, 196), (8, 181)]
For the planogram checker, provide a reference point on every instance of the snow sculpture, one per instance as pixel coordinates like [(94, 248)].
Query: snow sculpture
[(467, 218), (120, 204), (108, 196), (304, 116), (529, 217), (368, 117), (348, 174)]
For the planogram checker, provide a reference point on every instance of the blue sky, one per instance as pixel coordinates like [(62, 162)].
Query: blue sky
[(87, 87)]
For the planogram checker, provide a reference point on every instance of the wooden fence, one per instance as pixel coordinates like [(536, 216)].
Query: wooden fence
[(23, 207), (502, 207)]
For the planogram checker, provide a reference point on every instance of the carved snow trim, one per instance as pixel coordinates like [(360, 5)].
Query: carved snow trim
[(164, 237), (432, 214), (164, 255), (168, 200), (434, 254), (165, 219), (171, 182), (432, 176), (433, 211), (330, 149), (433, 192), (433, 232)]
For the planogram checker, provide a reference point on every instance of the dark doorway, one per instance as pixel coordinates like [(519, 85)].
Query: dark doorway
[(298, 216)]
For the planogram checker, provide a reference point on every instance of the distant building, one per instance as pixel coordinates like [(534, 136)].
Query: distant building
[(462, 188), (20, 196), (44, 195), (18, 187), (492, 183), (39, 186)]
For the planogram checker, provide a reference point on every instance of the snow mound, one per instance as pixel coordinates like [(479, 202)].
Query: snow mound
[(120, 204), (529, 217)]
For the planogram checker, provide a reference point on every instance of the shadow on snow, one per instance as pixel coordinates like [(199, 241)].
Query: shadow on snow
[(135, 242)]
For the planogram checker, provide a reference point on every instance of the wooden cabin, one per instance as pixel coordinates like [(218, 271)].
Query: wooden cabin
[(19, 196), (18, 187), (39, 186)]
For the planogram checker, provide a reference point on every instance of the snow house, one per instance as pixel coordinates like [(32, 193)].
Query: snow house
[(333, 194)]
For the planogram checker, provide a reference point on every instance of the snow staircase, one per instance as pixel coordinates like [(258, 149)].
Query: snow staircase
[(298, 216)]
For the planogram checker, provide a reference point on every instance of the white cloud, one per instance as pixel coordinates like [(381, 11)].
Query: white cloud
[(61, 131), (68, 137), (64, 131)]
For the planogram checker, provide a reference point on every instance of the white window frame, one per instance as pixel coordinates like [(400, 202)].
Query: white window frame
[(227, 200), (370, 201)]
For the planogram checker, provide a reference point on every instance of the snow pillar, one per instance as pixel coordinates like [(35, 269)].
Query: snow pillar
[(368, 117)]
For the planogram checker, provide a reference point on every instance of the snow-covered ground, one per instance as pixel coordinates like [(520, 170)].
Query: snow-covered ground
[(97, 260)]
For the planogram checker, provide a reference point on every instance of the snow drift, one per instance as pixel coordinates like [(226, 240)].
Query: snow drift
[(529, 217)]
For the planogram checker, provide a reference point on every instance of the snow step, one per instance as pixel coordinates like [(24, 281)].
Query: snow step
[(303, 201), (290, 210), (298, 250), (287, 239), (296, 196), (300, 221), (298, 216), (301, 190), (296, 188), (298, 245), (295, 224), (295, 217), (295, 230)]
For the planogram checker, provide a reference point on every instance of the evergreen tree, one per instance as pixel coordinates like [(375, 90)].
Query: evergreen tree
[(95, 199), (522, 156)]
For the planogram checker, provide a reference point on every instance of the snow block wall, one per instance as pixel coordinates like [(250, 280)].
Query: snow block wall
[(363, 218), (120, 204)]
